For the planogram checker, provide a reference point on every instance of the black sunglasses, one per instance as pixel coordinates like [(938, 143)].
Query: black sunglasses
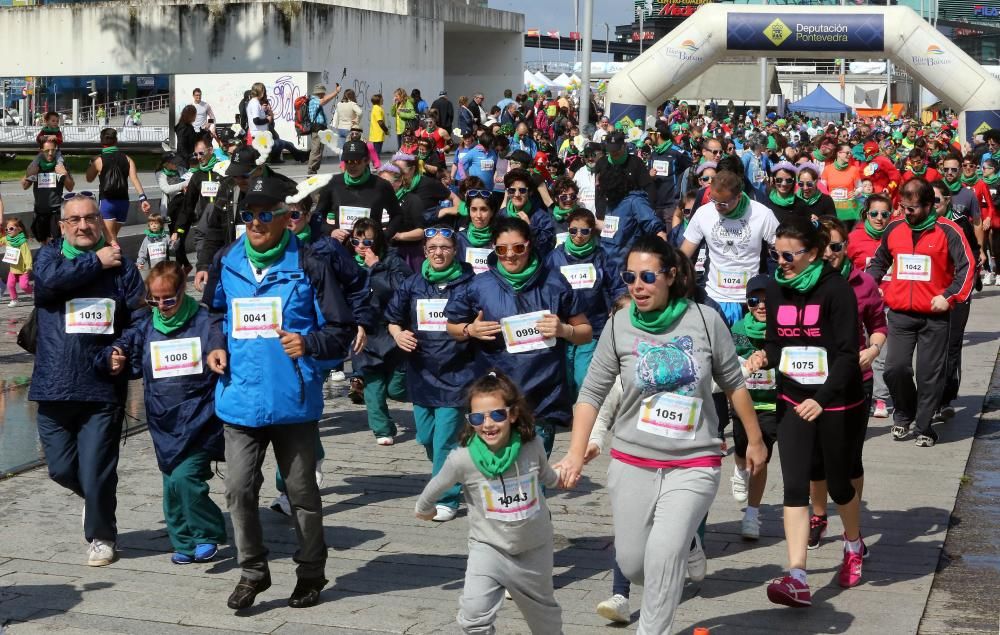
[(431, 232), (784, 181), (478, 194), (648, 277), (705, 179), (838, 247), (367, 242), (877, 214), (753, 301), (952, 170), (787, 256), (807, 184), (583, 231), (296, 214), (478, 418), (687, 211), (517, 190)]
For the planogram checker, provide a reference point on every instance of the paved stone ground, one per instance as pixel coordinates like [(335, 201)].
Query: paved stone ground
[(391, 573)]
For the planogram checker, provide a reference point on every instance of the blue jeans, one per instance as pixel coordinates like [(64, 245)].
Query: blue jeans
[(80, 440), (437, 431)]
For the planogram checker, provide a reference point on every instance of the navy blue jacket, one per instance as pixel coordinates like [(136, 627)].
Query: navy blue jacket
[(635, 218), (180, 410), (597, 300), (543, 229), (668, 188), (352, 278), (64, 363), (380, 352), (441, 368), (541, 374)]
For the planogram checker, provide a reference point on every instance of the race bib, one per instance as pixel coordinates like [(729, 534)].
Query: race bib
[(610, 227), (521, 333), (209, 188), (349, 215), (11, 255), (511, 500), (47, 180), (173, 358), (804, 364), (158, 251), (430, 315), (670, 415), (476, 256), (839, 193), (587, 200), (662, 168), (561, 237), (256, 317), (699, 264), (385, 217), (486, 165), (762, 380), (582, 276), (732, 280), (914, 267), (94, 316)]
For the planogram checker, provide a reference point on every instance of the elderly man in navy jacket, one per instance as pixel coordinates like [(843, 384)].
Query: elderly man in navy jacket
[(86, 292)]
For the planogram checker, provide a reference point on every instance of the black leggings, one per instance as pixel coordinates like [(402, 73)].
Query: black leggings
[(832, 438), (994, 247)]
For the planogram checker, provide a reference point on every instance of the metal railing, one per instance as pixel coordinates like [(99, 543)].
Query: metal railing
[(122, 107), (89, 134)]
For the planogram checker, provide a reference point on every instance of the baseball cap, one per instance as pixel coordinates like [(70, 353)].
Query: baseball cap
[(520, 156), (244, 162), (355, 150), (757, 283), (615, 140), (267, 190), (319, 89)]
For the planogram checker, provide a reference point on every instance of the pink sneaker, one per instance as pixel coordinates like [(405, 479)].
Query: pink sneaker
[(789, 592), (850, 571)]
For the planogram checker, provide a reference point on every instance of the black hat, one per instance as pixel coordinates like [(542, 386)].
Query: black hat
[(663, 128), (244, 162), (520, 156), (615, 140), (757, 283), (267, 190), (355, 150), (592, 149)]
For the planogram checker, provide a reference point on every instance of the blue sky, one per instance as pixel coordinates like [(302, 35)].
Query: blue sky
[(552, 15)]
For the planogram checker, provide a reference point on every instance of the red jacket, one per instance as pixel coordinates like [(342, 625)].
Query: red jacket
[(985, 199), (883, 174), (861, 247), (943, 255)]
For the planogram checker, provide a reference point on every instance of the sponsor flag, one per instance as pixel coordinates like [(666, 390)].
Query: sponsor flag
[(574, 35), (533, 33), (552, 33)]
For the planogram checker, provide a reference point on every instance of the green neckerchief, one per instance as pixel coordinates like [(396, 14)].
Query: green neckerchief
[(526, 209), (992, 180), (490, 464), (662, 148), (845, 269), (812, 199), (872, 232), (263, 260), (950, 214), (841, 165), (403, 191), (72, 252), (207, 168), (755, 330), (740, 210), (169, 172), (656, 322), (819, 156), (350, 181), (432, 275), (478, 237), (954, 187), (805, 281), (927, 223), (45, 166), (17, 240), (463, 209), (518, 280), (560, 213), (169, 325), (150, 234), (109, 150), (358, 258), (305, 235), (620, 161), (50, 130), (920, 172), (784, 201), (968, 180), (580, 251)]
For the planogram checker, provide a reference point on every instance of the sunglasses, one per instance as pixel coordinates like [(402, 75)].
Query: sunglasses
[(517, 190), (478, 418), (568, 196), (785, 181), (15, 228), (367, 242), (753, 301), (583, 231), (787, 256), (940, 199), (953, 170), (163, 303), (966, 165), (199, 154), (715, 152), (807, 184), (687, 211), (648, 277), (69, 196), (517, 250), (296, 214), (705, 179), (478, 194), (431, 232), (886, 215), (837, 247), (265, 217), (910, 208)]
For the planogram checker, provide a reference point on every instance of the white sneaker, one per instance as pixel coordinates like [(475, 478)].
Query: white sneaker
[(740, 481), (697, 562), (615, 609), (750, 527), (14, 303), (101, 553), (281, 504), (444, 513), (881, 410), (337, 376), (319, 473), (989, 278), (384, 441)]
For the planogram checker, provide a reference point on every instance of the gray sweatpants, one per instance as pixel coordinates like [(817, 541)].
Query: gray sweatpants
[(880, 390), (295, 453), (656, 513), (528, 578)]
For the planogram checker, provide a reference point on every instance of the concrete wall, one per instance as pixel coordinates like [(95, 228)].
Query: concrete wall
[(465, 69)]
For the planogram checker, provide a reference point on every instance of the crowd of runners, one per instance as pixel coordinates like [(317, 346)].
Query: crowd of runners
[(515, 274)]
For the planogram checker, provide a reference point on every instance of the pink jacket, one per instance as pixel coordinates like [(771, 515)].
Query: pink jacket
[(871, 310)]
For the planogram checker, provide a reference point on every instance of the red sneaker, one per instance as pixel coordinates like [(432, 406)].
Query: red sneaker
[(850, 570), (789, 592)]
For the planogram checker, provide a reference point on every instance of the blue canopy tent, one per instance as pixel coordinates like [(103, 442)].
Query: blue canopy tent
[(819, 101)]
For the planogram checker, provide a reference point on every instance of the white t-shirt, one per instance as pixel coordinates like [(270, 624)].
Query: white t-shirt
[(599, 135), (204, 112), (733, 247), (585, 180), (255, 110)]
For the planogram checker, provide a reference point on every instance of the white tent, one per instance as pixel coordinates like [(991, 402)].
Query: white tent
[(561, 82), (542, 79), (529, 78)]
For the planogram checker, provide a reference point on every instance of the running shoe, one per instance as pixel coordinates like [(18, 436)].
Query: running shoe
[(817, 529), (205, 551), (850, 570), (900, 432), (740, 482), (925, 441), (881, 411), (697, 565), (384, 441), (337, 376), (947, 412), (788, 591), (750, 527), (14, 303), (615, 609), (181, 558), (989, 278), (101, 553), (444, 513)]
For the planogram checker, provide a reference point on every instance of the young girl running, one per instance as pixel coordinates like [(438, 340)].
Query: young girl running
[(17, 255), (502, 465)]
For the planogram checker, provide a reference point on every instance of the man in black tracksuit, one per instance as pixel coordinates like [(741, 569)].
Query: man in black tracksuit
[(635, 168)]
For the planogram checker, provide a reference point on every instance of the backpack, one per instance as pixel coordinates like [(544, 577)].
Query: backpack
[(303, 124)]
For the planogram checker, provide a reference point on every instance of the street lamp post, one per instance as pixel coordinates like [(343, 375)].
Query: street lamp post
[(588, 45)]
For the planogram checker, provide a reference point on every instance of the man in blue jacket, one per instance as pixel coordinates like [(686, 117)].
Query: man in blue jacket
[(284, 312), (85, 294)]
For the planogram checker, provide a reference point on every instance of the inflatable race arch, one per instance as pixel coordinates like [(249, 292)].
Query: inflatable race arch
[(716, 31)]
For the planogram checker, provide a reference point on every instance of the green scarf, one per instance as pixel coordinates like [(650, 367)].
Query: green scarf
[(812, 199), (950, 214), (992, 180), (740, 210), (845, 269), (45, 166), (657, 322), (17, 240), (755, 330), (818, 156), (305, 236), (580, 251), (403, 191), (872, 232), (620, 161), (968, 180), (169, 172), (560, 213), (358, 258), (350, 181), (109, 150), (150, 234), (526, 209), (463, 209), (263, 260), (805, 281), (956, 186), (662, 148), (168, 325), (478, 237), (492, 465), (71, 252), (432, 275), (840, 165), (784, 201), (918, 171), (207, 167), (927, 223), (518, 280)]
